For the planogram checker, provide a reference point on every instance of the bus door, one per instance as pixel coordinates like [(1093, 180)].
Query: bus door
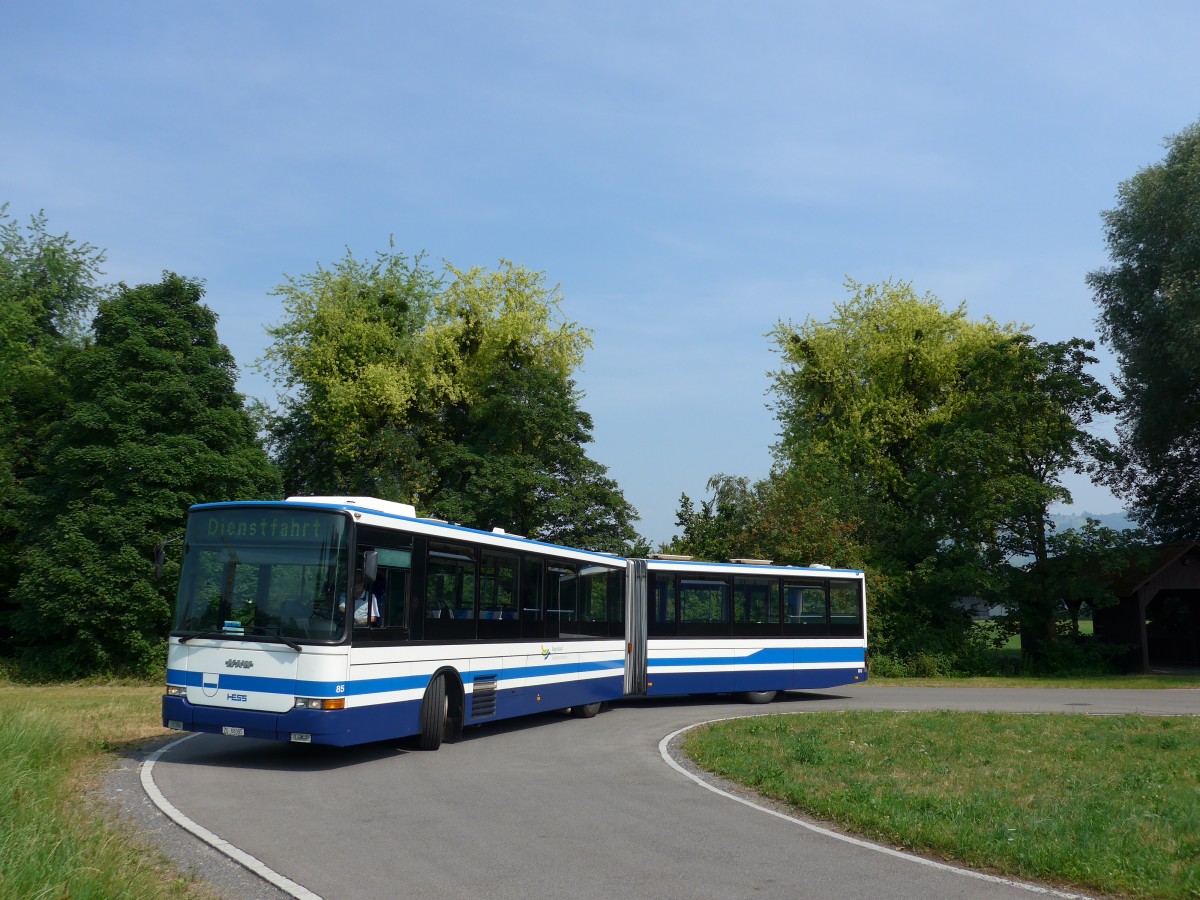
[(636, 627), (806, 615)]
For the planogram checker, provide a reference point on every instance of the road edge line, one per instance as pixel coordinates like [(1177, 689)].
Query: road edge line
[(241, 857), (664, 751)]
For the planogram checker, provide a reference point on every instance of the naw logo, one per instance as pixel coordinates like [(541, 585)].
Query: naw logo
[(545, 653)]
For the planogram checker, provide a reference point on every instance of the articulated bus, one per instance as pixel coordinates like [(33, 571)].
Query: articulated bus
[(466, 627)]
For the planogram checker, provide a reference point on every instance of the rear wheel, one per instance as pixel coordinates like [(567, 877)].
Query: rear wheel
[(586, 711), (435, 710), (760, 696)]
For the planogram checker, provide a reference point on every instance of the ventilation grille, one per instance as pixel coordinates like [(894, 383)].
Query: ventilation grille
[(483, 697)]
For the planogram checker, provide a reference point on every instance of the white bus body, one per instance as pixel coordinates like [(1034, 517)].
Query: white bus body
[(472, 627)]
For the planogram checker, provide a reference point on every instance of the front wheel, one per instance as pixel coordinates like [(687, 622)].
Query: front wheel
[(586, 711), (760, 696), (435, 710)]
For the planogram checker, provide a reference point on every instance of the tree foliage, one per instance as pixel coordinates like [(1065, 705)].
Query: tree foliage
[(790, 518), (344, 361), (451, 391), (152, 424), (946, 438), (48, 285), (1149, 301)]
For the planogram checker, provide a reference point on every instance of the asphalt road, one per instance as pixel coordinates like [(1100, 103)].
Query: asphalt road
[(558, 807)]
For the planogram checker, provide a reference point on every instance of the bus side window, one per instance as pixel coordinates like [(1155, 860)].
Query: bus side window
[(663, 610), (450, 582), (616, 604), (531, 597), (498, 597), (806, 609), (756, 606), (845, 609), (390, 590), (704, 606), (562, 600), (593, 601)]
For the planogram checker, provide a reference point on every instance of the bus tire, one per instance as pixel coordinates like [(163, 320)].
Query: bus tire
[(585, 711), (434, 711), (456, 712), (760, 696)]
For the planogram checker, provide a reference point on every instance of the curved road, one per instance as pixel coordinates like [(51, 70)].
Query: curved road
[(553, 806)]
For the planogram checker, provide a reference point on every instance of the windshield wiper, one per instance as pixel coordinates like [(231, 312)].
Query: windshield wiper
[(204, 635), (261, 634), (225, 635)]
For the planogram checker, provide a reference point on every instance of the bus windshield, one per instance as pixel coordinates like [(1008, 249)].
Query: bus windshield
[(263, 572)]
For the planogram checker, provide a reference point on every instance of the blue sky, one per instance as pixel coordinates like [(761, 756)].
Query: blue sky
[(690, 173)]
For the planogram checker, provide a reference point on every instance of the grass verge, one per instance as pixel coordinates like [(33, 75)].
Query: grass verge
[(1111, 682), (1103, 804), (55, 743)]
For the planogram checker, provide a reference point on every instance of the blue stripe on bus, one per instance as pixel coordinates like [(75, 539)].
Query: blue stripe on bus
[(228, 681), (783, 657), (779, 656)]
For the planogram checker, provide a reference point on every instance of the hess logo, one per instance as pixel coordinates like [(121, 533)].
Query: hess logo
[(239, 664)]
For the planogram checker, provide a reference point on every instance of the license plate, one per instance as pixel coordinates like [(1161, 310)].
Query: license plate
[(233, 731)]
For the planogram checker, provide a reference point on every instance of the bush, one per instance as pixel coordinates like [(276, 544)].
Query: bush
[(1080, 655), (880, 665)]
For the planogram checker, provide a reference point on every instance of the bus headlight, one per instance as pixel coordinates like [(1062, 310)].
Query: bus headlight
[(176, 690), (318, 703)]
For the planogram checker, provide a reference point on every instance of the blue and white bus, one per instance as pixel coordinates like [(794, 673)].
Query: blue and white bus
[(467, 627)]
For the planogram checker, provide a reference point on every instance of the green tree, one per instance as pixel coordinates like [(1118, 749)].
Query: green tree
[(1149, 301), (450, 391), (947, 439), (721, 528), (514, 458), (1082, 566), (345, 362), (861, 398), (1022, 421), (864, 389), (153, 424), (48, 285), (790, 518)]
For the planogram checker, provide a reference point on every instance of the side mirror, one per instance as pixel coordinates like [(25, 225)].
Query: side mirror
[(370, 565)]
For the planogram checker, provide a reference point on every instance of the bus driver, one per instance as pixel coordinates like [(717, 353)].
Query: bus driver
[(366, 607)]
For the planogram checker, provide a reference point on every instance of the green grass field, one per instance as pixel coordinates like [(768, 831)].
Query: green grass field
[(1109, 682), (54, 841), (1104, 804)]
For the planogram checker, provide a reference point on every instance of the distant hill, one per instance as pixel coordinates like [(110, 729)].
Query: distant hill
[(1117, 521)]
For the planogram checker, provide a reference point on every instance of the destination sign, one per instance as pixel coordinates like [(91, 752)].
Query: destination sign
[(265, 525)]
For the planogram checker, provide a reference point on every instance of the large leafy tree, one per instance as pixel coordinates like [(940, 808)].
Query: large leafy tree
[(791, 517), (946, 438), (153, 423), (1149, 302), (1022, 420), (448, 390), (858, 397), (345, 360), (48, 285)]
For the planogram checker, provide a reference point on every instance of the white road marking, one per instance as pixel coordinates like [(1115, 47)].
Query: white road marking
[(255, 865), (857, 842)]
